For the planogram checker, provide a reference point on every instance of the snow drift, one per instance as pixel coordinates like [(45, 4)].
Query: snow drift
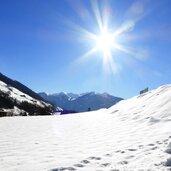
[(134, 134)]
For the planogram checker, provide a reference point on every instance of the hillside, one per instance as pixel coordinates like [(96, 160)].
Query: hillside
[(19, 86), (17, 99), (134, 134)]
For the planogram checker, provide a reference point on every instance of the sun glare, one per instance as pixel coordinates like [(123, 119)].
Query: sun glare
[(108, 39), (104, 42)]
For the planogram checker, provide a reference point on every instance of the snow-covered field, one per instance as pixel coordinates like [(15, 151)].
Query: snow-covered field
[(133, 135)]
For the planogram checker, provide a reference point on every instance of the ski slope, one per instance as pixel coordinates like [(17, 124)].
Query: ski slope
[(135, 134)]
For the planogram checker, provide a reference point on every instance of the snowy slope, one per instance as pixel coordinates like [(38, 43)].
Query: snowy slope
[(81, 102), (19, 86), (135, 134), (18, 95), (17, 98)]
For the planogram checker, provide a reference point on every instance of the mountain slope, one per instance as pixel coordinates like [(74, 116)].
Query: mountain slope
[(20, 87), (133, 135), (15, 101), (81, 102)]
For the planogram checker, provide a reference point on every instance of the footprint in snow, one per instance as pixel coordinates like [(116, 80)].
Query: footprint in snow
[(151, 144), (85, 161), (141, 146), (158, 142), (105, 164), (64, 169), (154, 148), (129, 157), (123, 162), (115, 111), (166, 141), (119, 151), (122, 152), (132, 149), (78, 165), (108, 155), (159, 164), (95, 158)]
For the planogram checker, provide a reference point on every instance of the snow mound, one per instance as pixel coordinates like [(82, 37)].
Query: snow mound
[(135, 134), (153, 106)]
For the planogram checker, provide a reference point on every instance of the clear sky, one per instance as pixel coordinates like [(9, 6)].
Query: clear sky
[(43, 45)]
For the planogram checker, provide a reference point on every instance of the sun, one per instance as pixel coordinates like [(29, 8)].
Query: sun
[(104, 41), (108, 38)]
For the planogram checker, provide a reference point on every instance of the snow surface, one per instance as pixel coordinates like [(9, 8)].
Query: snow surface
[(135, 134)]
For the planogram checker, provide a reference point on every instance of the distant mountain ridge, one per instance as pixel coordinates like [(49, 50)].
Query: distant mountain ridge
[(81, 102)]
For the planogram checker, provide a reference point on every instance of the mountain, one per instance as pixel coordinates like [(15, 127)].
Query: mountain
[(20, 87), (17, 99), (133, 135), (81, 102)]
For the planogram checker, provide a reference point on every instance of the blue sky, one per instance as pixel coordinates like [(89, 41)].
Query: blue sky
[(41, 45)]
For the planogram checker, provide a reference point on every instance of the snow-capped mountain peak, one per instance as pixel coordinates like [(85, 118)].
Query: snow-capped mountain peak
[(82, 102)]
